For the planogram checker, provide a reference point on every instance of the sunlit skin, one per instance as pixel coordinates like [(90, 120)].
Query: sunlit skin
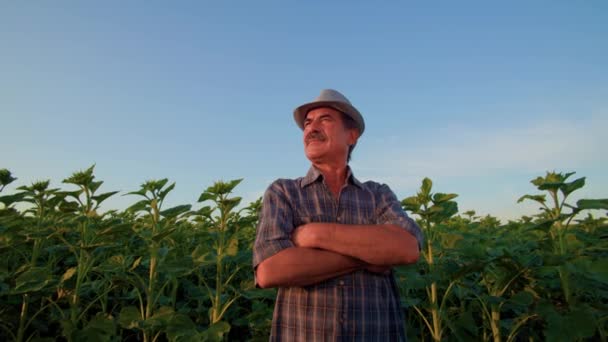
[(325, 250), (326, 140), (326, 143)]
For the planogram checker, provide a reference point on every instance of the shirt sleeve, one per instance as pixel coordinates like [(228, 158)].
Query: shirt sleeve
[(389, 211), (275, 225)]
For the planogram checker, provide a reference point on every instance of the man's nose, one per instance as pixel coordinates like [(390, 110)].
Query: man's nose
[(313, 125)]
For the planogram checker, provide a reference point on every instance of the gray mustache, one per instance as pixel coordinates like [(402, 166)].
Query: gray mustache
[(315, 135)]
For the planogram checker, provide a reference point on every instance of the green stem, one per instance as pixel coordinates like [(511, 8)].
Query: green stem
[(81, 272), (150, 293), (436, 320), (35, 252), (22, 318), (432, 293), (151, 281), (495, 323), (219, 288), (218, 284), (174, 288)]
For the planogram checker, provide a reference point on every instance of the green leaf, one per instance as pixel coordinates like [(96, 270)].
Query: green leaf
[(154, 185), (10, 199), (522, 298), (116, 229), (32, 280), (206, 196), (538, 198), (223, 188), (427, 185), (73, 194), (466, 327), (411, 204), (568, 188), (100, 329), (159, 236), (254, 293), (409, 302), (567, 175), (140, 192), (599, 270), (68, 328), (68, 274), (161, 183), (166, 191), (129, 317), (181, 328), (135, 264), (83, 178), (139, 206), (102, 197), (205, 211), (450, 240), (5, 177), (550, 185), (581, 321), (215, 332), (543, 226), (440, 198), (231, 203), (95, 185), (38, 186), (177, 267), (68, 207), (202, 255), (448, 209), (592, 204), (175, 211), (161, 317), (233, 247)]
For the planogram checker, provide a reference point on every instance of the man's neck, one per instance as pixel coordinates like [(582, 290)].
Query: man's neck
[(334, 176)]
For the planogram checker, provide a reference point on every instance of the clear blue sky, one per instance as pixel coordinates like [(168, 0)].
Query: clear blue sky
[(479, 96)]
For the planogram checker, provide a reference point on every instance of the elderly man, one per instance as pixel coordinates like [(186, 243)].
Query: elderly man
[(328, 241)]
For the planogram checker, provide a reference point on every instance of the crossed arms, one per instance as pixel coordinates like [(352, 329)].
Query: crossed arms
[(325, 250)]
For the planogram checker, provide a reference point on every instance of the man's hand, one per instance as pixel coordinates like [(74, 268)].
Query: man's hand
[(382, 244), (308, 235)]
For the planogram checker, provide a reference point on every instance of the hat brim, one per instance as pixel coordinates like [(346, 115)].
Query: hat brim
[(299, 114)]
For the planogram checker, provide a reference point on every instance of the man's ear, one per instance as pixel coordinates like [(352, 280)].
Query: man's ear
[(353, 136)]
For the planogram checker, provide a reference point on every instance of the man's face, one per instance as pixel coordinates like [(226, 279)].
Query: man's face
[(325, 137)]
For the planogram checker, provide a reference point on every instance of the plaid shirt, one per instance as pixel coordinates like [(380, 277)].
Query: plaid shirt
[(359, 306)]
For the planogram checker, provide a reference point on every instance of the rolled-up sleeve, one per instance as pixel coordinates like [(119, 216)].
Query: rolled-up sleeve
[(389, 211), (275, 225)]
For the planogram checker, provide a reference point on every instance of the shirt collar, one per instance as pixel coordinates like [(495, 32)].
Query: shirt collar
[(314, 174)]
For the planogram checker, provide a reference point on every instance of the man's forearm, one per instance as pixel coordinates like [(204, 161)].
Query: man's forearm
[(301, 266), (374, 244)]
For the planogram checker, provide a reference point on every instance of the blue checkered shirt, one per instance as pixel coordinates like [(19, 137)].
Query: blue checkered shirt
[(359, 306)]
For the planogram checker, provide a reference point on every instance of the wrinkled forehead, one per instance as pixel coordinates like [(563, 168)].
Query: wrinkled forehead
[(321, 111)]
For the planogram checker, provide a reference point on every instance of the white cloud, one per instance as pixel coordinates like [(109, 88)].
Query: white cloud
[(467, 151), (495, 154)]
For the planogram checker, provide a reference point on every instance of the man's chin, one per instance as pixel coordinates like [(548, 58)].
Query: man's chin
[(314, 156)]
